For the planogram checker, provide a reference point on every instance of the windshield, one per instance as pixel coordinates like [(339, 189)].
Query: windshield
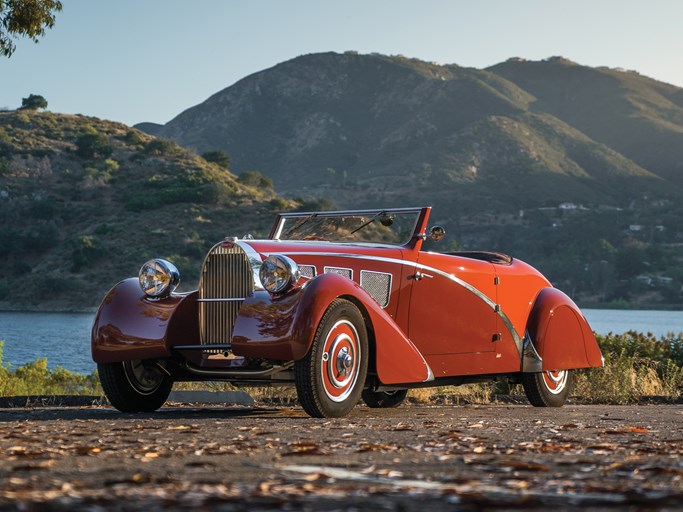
[(391, 226)]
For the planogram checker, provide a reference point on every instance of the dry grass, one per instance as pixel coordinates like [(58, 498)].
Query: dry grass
[(636, 366)]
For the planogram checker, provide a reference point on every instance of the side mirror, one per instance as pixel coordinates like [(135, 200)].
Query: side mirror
[(437, 233)]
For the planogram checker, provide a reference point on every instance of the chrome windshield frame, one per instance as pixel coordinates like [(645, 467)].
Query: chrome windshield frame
[(276, 231)]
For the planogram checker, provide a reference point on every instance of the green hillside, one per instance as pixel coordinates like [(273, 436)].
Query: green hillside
[(84, 202)]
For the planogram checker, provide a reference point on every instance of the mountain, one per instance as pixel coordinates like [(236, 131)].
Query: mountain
[(578, 170), (84, 202), (635, 115), (471, 134)]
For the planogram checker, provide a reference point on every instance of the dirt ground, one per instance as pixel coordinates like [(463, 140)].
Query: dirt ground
[(494, 457)]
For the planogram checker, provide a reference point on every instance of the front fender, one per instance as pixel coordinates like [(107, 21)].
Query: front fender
[(560, 334), (128, 325), (284, 327)]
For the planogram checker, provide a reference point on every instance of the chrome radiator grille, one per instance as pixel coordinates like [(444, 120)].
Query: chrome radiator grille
[(226, 280)]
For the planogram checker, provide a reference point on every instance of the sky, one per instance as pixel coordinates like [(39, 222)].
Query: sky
[(148, 60)]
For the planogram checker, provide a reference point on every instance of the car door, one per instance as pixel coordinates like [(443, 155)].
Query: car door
[(453, 314)]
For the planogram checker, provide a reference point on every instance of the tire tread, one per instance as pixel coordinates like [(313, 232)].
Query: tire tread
[(305, 370), (121, 394)]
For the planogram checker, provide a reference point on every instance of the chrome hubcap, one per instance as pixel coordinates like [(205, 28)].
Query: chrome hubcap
[(145, 379), (344, 361)]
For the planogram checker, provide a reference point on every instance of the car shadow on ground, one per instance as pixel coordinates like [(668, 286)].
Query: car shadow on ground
[(168, 413)]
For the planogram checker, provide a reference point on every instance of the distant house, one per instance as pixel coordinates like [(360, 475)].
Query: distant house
[(635, 227), (644, 278), (572, 206)]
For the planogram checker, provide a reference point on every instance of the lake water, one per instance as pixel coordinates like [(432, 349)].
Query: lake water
[(64, 338)]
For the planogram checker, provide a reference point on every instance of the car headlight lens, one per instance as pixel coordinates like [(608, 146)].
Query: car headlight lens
[(279, 273), (158, 278)]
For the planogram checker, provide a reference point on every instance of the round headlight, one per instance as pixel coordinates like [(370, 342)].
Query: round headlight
[(158, 278), (279, 273)]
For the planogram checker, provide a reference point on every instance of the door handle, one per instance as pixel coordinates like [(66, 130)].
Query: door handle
[(418, 276)]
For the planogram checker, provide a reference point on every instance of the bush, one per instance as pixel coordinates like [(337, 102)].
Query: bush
[(220, 158), (161, 147), (92, 143), (42, 236), (35, 378), (6, 145), (255, 179), (85, 250), (44, 209), (133, 138), (111, 165)]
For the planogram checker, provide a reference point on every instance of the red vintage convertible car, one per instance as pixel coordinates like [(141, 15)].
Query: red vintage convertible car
[(341, 305)]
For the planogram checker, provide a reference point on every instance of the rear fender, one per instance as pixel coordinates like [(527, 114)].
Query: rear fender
[(558, 336), (284, 327)]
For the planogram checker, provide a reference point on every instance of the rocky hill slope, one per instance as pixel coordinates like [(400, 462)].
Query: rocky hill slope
[(84, 202), (510, 135)]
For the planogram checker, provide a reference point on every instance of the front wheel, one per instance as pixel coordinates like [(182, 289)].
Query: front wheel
[(547, 389), (329, 380), (384, 399), (135, 386)]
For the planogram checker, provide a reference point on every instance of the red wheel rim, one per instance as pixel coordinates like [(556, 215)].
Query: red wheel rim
[(555, 381), (340, 361)]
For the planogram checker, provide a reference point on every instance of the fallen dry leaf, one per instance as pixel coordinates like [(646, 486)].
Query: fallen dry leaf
[(519, 464)]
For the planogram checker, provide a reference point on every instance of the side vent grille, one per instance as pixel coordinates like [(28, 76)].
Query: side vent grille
[(377, 284), (307, 271), (346, 272), (226, 280)]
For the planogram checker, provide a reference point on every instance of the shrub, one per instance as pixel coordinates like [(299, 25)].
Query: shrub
[(6, 145), (85, 250), (35, 378), (255, 179), (42, 236), (92, 143), (111, 165), (161, 147), (44, 209), (220, 158), (55, 285), (23, 119), (133, 138)]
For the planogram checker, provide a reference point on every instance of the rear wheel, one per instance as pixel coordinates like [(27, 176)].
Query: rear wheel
[(547, 389), (135, 386), (384, 399), (329, 380)]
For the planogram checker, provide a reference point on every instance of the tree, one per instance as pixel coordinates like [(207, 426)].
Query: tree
[(33, 102), (28, 18), (218, 157)]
